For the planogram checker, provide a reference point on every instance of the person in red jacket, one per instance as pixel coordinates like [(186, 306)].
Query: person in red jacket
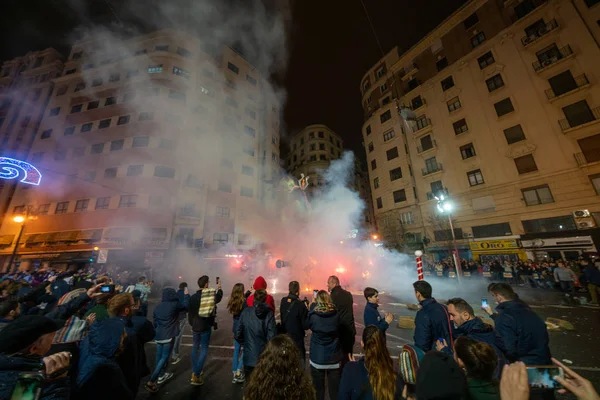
[(260, 283)]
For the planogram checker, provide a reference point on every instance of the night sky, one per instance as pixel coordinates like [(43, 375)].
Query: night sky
[(331, 47)]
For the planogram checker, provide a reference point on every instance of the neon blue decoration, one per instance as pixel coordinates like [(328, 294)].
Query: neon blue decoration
[(12, 169)]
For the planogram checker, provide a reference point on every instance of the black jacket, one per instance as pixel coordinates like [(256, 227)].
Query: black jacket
[(294, 316), (133, 359), (255, 329), (166, 314), (11, 367), (201, 324), (324, 342), (343, 302), (432, 322)]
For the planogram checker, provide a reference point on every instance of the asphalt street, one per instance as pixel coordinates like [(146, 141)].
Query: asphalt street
[(580, 347)]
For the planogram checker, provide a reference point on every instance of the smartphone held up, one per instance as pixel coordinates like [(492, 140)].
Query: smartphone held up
[(542, 377), (107, 289), (484, 303)]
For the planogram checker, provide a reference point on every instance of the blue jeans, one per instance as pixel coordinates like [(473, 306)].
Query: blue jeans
[(162, 359), (201, 342), (238, 357), (177, 344)]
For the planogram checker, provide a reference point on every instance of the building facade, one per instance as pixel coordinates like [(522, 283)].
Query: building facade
[(497, 109), (149, 145)]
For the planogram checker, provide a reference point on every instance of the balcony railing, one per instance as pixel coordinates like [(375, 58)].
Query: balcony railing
[(549, 27), (580, 81), (432, 195), (535, 3), (587, 157), (417, 104), (421, 149), (407, 70), (580, 119), (422, 123), (554, 56), (187, 213), (431, 170)]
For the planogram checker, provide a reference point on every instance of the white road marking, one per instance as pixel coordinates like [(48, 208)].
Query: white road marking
[(398, 305)]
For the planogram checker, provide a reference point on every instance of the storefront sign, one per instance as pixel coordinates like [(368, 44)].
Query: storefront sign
[(502, 244)]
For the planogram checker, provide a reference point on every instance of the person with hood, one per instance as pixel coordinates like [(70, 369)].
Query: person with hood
[(432, 320), (181, 293), (523, 332), (255, 329), (261, 283), (99, 374), (468, 325), (166, 323), (440, 377), (325, 352), (371, 315), (23, 344)]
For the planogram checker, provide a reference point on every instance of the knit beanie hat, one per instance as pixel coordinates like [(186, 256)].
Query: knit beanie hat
[(260, 283)]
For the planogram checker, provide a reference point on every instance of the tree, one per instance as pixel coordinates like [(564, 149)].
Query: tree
[(439, 222), (393, 232)]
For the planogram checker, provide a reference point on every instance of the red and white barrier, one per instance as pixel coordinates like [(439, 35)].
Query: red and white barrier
[(418, 254)]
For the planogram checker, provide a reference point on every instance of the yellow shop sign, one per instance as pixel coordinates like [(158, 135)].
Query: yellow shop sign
[(494, 244)]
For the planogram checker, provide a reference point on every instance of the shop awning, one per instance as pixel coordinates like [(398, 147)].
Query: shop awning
[(90, 234), (6, 240), (40, 238), (118, 233), (67, 236)]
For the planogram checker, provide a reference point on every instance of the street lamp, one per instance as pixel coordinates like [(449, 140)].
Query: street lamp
[(444, 206), (19, 219)]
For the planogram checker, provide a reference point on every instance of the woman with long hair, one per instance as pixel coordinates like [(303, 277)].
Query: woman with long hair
[(235, 306), (325, 351), (478, 360), (278, 374), (373, 377)]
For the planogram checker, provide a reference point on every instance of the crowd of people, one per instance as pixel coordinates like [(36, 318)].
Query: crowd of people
[(83, 335)]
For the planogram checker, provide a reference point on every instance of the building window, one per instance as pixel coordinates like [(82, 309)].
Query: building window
[(43, 209), (105, 123), (495, 82), (161, 171), (395, 174), (132, 73), (247, 170), (102, 203), (426, 143), (155, 69), (110, 173), (61, 207), (514, 134), (69, 131), (97, 82), (383, 87), (379, 203), (380, 72), (392, 153), (82, 205), (595, 179), (251, 80), (552, 224), (163, 47), (492, 230), (128, 200), (76, 108), (97, 148), (249, 131), (221, 238), (446, 234), (441, 63), (376, 183), (525, 164), (386, 116), (79, 87), (447, 83), (90, 176), (417, 102), (313, 147), (181, 72), (223, 212), (471, 21), (114, 77), (407, 218), (388, 135), (371, 147), (478, 39), (453, 104), (322, 146), (467, 151), (504, 107), (577, 114), (56, 110), (86, 127), (60, 154), (246, 191), (140, 141), (124, 119), (233, 67), (413, 84), (399, 196), (486, 60), (373, 165), (117, 145), (225, 187), (174, 94), (46, 134), (386, 100), (79, 151), (537, 195), (368, 130), (110, 101), (183, 52), (475, 177)]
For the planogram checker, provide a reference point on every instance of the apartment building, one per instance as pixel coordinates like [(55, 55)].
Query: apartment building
[(149, 145), (498, 110), (26, 84)]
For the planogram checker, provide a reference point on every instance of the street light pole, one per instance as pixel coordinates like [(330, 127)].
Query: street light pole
[(455, 252), (14, 253)]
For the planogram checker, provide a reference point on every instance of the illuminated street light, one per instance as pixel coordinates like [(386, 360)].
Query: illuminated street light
[(445, 206), (18, 219), (375, 237)]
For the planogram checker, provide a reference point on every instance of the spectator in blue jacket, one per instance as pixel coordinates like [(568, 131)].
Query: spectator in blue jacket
[(467, 324), (432, 321), (175, 357), (325, 351), (372, 316), (166, 323), (523, 332)]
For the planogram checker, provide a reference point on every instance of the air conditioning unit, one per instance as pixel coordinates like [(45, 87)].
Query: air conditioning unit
[(467, 234), (581, 213), (585, 225)]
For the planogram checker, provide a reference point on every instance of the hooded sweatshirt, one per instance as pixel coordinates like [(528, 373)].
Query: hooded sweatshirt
[(255, 329), (261, 283), (166, 314)]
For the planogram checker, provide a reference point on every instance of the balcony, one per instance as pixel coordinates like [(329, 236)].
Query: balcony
[(432, 195), (432, 169), (524, 8), (422, 149), (579, 119), (551, 57), (590, 156), (421, 124), (578, 82), (543, 31), (408, 70), (189, 214)]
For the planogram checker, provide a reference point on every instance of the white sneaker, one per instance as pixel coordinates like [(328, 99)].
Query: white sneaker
[(175, 360), (164, 377)]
